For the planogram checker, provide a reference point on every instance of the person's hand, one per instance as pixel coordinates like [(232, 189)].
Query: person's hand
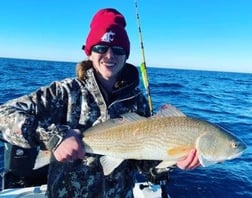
[(191, 161), (71, 148)]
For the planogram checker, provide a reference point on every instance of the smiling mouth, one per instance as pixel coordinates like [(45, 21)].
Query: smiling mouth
[(109, 64)]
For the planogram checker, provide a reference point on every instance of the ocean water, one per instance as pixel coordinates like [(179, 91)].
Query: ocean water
[(219, 97)]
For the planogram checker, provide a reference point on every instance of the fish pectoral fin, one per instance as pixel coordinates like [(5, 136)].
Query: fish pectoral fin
[(179, 150), (109, 164), (175, 152), (205, 162), (165, 164)]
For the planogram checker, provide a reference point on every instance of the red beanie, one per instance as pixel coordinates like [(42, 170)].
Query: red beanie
[(108, 28)]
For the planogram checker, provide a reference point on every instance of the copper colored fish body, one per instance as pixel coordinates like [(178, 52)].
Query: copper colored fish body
[(168, 136), (165, 138)]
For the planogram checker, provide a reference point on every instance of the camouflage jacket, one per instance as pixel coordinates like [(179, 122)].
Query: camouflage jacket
[(32, 120)]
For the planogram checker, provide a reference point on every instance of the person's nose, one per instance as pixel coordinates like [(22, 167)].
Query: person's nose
[(109, 53)]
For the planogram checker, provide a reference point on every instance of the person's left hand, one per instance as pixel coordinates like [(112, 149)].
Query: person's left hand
[(189, 162)]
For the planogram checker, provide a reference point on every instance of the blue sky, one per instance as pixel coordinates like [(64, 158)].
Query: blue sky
[(188, 34)]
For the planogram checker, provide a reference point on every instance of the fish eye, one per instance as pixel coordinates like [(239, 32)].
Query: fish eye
[(234, 144)]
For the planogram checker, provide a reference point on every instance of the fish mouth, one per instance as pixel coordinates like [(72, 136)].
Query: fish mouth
[(236, 155)]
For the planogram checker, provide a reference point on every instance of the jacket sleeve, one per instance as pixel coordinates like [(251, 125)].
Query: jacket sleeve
[(29, 121)]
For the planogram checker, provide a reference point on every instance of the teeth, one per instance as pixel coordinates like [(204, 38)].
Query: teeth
[(109, 64)]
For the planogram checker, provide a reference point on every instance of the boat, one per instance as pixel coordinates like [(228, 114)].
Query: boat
[(35, 192)]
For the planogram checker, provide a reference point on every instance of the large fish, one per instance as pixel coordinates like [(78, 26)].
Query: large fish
[(167, 136)]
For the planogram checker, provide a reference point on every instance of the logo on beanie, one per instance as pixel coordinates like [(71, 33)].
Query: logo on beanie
[(108, 37)]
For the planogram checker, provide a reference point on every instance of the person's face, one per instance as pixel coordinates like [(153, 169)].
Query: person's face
[(108, 61)]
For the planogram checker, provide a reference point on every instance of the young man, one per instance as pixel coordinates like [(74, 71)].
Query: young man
[(56, 116)]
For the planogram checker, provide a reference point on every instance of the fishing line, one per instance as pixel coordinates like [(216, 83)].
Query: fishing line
[(143, 67)]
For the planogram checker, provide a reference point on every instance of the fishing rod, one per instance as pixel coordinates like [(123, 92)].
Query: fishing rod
[(143, 67)]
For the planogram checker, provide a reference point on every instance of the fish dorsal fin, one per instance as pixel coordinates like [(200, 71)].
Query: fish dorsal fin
[(109, 164), (168, 110)]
